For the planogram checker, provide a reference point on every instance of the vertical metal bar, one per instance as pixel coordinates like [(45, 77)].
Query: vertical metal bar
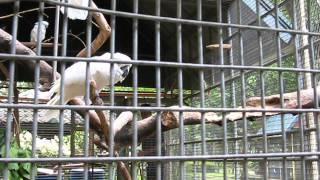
[(158, 87), (314, 80), (243, 92), (222, 88), (36, 89), (180, 100), (62, 70), (56, 41), (16, 8), (180, 86), (73, 131), (201, 79), (112, 72), (135, 90), (281, 89), (233, 95), (55, 45), (112, 117), (262, 87), (299, 86), (87, 89)]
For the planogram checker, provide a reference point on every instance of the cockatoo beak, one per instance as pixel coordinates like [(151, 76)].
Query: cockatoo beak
[(125, 71)]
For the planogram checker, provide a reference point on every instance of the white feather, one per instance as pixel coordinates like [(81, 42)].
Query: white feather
[(76, 13), (34, 31), (75, 75)]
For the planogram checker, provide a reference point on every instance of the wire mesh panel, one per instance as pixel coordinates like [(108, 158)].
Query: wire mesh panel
[(161, 89)]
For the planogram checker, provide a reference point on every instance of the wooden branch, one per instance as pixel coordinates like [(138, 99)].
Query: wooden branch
[(16, 116), (216, 46), (123, 169), (104, 33), (94, 95), (290, 100), (123, 119), (45, 68), (4, 70), (169, 120), (93, 117), (96, 100), (274, 102)]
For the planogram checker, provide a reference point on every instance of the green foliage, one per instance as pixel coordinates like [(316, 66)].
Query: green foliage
[(78, 141), (16, 170), (252, 86)]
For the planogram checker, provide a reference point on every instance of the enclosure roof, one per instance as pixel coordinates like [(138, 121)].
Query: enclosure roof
[(270, 20), (26, 116), (274, 123)]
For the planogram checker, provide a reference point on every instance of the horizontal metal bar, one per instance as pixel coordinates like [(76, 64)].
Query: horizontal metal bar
[(153, 109), (72, 160), (252, 136), (157, 158), (158, 63), (176, 20)]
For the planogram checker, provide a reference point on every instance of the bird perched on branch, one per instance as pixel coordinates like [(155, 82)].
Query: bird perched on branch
[(76, 13), (34, 31), (75, 76)]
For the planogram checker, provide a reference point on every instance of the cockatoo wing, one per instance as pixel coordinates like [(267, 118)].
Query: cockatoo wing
[(33, 34), (76, 13)]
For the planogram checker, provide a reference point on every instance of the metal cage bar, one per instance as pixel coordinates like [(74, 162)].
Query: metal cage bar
[(200, 152)]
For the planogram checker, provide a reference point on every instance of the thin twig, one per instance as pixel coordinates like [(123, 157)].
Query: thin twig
[(69, 34), (26, 11)]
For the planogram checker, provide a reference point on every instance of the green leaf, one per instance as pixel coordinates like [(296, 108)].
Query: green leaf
[(26, 166), (13, 166), (14, 152), (22, 153), (2, 151), (14, 175), (1, 165), (25, 173)]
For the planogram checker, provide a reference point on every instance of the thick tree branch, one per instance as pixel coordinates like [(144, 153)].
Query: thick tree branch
[(104, 122), (96, 100), (170, 119), (93, 117), (45, 68), (104, 33), (105, 30)]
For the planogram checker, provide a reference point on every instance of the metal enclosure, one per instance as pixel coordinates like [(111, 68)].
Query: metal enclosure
[(210, 55)]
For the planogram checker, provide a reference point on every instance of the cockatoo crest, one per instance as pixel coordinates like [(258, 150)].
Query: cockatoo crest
[(76, 13)]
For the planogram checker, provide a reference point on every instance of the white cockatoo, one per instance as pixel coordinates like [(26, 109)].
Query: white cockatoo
[(76, 13), (75, 75), (34, 31)]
